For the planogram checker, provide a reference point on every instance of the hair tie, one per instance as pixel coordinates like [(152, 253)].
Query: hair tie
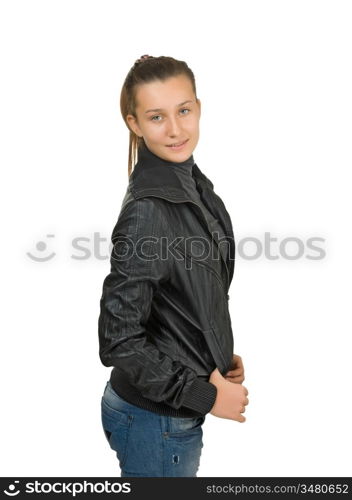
[(143, 58)]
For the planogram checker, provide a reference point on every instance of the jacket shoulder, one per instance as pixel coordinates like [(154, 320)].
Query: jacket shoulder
[(153, 202), (141, 216)]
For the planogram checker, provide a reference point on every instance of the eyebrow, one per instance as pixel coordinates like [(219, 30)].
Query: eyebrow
[(160, 109)]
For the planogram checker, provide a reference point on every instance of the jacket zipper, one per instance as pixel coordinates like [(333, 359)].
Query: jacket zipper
[(219, 346), (223, 260)]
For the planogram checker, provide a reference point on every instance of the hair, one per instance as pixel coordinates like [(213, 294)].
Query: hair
[(147, 69)]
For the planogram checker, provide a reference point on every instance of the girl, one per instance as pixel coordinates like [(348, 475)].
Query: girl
[(164, 323)]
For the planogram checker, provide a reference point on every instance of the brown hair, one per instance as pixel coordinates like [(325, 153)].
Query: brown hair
[(147, 69)]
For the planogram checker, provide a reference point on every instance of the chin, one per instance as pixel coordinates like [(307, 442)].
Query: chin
[(178, 157), (181, 155)]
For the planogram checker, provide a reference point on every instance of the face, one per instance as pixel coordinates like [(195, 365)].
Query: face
[(167, 114)]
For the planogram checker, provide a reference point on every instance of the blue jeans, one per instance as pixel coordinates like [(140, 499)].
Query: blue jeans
[(148, 444)]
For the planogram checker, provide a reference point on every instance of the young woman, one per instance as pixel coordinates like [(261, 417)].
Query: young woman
[(164, 323)]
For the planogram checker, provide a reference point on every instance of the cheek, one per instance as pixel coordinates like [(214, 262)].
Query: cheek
[(153, 131), (193, 124), (159, 134)]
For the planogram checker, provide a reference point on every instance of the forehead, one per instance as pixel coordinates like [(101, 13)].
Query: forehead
[(164, 94)]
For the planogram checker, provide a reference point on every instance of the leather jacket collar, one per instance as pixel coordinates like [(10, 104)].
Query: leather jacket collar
[(154, 176)]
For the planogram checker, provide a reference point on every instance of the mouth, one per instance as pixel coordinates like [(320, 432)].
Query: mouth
[(177, 145)]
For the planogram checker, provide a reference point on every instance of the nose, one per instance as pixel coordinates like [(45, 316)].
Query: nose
[(173, 129)]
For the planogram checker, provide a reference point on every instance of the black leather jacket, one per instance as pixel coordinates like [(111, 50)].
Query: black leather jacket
[(164, 322)]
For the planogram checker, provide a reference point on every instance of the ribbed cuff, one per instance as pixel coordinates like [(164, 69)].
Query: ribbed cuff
[(201, 396)]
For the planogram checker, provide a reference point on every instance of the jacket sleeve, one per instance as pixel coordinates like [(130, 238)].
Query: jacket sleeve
[(137, 270)]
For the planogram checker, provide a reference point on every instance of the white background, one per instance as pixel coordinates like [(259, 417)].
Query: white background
[(274, 78)]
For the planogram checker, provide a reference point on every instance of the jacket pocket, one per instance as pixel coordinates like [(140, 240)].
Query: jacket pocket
[(207, 263), (212, 341)]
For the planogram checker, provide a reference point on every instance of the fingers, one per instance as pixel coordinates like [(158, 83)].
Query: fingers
[(235, 380), (238, 418), (242, 418), (237, 360), (234, 374), (237, 369), (245, 403)]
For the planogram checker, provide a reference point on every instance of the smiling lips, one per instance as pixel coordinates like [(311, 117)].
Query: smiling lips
[(177, 145)]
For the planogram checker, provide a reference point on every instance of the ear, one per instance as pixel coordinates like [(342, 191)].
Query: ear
[(132, 122), (199, 106)]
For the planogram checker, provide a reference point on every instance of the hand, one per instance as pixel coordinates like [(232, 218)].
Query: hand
[(236, 374), (231, 399)]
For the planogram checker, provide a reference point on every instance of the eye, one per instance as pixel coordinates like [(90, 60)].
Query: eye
[(154, 118)]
